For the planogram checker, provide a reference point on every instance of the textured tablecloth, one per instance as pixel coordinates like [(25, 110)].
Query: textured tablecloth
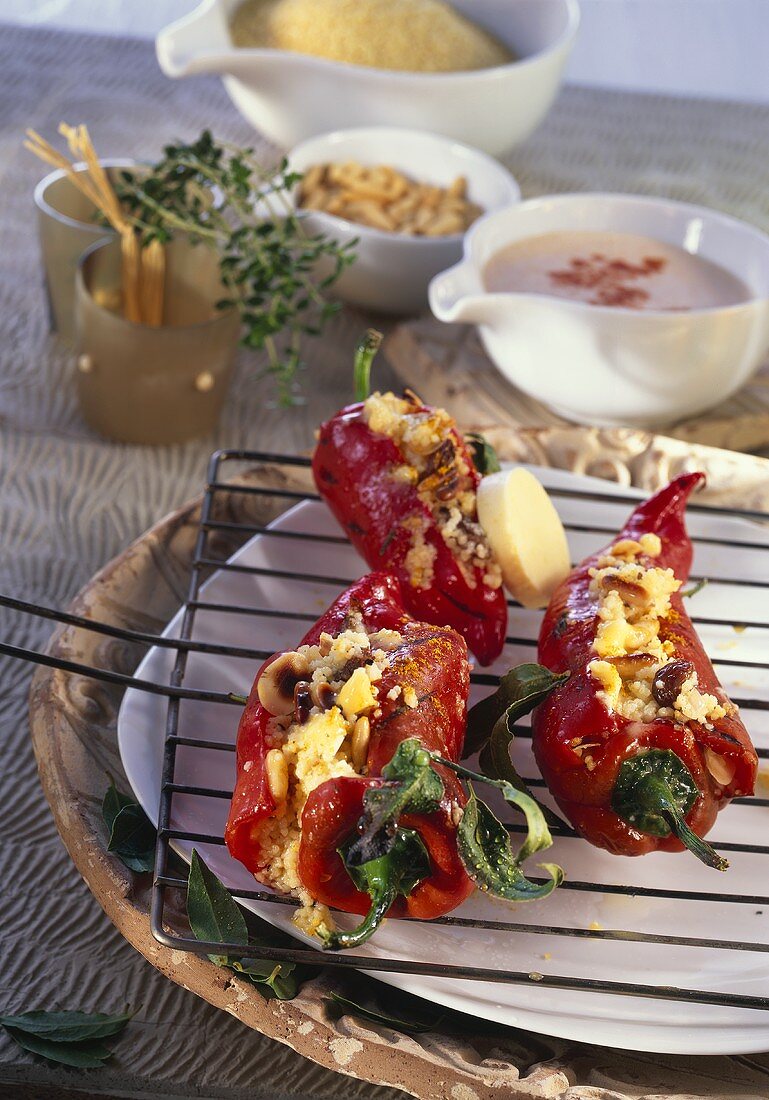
[(69, 502)]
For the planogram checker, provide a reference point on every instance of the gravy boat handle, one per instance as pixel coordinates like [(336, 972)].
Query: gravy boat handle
[(456, 296)]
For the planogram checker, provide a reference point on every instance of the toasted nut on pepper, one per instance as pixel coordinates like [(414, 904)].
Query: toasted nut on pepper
[(276, 770), (276, 684), (719, 767), (361, 735), (323, 695)]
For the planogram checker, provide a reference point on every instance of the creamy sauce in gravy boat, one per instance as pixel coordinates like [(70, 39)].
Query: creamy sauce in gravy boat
[(615, 309)]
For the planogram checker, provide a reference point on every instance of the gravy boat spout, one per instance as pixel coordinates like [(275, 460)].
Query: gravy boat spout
[(457, 296)]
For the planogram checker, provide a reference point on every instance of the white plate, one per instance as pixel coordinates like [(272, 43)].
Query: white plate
[(630, 1022)]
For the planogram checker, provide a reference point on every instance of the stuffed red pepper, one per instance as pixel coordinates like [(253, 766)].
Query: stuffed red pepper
[(640, 746), (321, 726), (401, 481)]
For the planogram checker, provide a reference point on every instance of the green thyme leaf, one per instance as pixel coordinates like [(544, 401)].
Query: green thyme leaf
[(486, 852), (396, 1023), (274, 272)]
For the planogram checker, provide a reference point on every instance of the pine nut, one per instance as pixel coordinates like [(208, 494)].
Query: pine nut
[(721, 769), (276, 770), (361, 735)]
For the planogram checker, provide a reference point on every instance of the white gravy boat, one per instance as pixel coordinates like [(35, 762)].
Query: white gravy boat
[(606, 365), (291, 96)]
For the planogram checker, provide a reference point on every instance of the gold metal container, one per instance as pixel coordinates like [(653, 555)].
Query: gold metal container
[(139, 384), (67, 226)]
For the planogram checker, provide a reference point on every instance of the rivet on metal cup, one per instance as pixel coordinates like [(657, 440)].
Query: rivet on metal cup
[(204, 382)]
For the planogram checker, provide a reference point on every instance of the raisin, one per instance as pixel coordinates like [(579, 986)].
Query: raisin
[(668, 681)]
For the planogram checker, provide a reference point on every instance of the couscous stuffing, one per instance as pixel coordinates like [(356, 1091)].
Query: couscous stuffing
[(637, 671), (439, 471)]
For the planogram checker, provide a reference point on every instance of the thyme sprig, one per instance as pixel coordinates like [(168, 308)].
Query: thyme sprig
[(220, 195)]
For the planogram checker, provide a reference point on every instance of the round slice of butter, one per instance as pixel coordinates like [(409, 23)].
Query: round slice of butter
[(525, 533)]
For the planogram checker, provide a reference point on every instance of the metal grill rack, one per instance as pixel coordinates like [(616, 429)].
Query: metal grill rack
[(204, 561)]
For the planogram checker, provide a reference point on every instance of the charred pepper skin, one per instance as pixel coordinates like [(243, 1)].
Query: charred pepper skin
[(432, 661), (575, 711), (353, 469)]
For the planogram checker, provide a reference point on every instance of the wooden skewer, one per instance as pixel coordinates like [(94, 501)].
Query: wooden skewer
[(153, 283), (142, 271)]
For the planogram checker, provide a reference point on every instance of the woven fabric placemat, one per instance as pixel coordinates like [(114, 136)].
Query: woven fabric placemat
[(69, 502)]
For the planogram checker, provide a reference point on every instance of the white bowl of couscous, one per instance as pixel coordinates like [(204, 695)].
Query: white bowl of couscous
[(381, 170), (483, 72)]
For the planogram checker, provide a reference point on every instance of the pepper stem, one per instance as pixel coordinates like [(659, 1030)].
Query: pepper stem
[(381, 900), (696, 845), (399, 864), (364, 357), (654, 792)]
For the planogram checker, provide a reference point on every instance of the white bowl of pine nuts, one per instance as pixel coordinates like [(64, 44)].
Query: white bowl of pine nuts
[(407, 196)]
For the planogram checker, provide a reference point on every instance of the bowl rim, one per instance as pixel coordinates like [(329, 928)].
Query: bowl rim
[(45, 207), (628, 199), (563, 41), (370, 232)]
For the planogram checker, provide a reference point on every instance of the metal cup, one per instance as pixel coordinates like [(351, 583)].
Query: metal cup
[(67, 226), (139, 384)]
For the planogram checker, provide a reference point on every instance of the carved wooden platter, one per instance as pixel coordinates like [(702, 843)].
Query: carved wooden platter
[(74, 737)]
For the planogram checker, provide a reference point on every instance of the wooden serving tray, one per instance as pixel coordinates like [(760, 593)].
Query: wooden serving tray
[(73, 722), (447, 365)]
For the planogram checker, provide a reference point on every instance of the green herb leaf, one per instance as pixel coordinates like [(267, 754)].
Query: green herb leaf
[(401, 864), (410, 1027), (132, 835), (87, 1055), (67, 1027), (275, 980), (482, 453), (520, 691), (411, 786), (213, 914), (495, 763), (133, 839), (485, 850), (273, 271), (113, 802), (687, 593)]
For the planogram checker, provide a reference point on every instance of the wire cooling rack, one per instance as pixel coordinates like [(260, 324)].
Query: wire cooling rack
[(204, 561)]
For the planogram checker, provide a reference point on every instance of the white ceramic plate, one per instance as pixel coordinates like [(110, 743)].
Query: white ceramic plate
[(739, 912)]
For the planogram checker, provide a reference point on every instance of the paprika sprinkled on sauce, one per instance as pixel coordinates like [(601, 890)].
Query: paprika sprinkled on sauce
[(621, 270)]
